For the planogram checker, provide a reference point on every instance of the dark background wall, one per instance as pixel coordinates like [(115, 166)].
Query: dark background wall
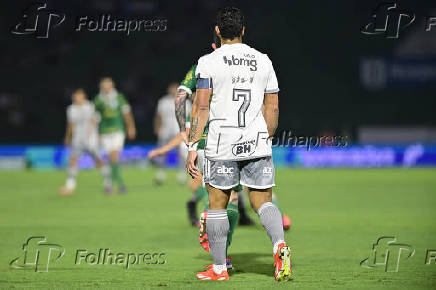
[(316, 48)]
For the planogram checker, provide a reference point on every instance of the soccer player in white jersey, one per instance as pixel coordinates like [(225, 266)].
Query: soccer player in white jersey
[(233, 83), (166, 128), (81, 134)]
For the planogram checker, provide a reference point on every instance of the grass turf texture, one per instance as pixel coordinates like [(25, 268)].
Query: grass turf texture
[(337, 215)]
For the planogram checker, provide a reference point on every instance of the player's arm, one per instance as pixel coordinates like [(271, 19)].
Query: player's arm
[(180, 105), (129, 121), (69, 128), (93, 121), (199, 117), (130, 124), (167, 147), (68, 134), (271, 112), (185, 91), (157, 123)]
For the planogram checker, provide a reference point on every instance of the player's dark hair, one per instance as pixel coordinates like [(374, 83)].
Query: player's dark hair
[(216, 39), (230, 21), (80, 91), (106, 79)]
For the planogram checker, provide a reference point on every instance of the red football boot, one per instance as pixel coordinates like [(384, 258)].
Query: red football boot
[(211, 275), (282, 263)]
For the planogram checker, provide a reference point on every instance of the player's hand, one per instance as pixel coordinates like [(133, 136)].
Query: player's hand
[(153, 153), (67, 141), (191, 161), (131, 133)]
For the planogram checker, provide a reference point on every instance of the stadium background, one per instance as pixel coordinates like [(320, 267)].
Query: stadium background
[(334, 80), (330, 76)]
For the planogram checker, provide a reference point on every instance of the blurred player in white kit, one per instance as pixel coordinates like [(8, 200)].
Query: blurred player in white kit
[(166, 128), (81, 134)]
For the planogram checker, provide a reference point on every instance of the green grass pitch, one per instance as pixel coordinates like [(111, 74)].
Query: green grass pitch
[(337, 215)]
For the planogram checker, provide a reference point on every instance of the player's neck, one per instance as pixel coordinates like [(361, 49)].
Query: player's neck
[(231, 41)]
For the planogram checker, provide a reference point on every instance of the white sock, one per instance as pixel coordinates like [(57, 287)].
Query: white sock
[(276, 245), (218, 269), (160, 175), (70, 184), (106, 173)]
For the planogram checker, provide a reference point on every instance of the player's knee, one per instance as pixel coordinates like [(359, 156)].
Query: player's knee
[(234, 197), (259, 197), (194, 184), (114, 156), (218, 199), (73, 161)]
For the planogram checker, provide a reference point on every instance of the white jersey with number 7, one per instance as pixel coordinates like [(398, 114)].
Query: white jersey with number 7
[(239, 77)]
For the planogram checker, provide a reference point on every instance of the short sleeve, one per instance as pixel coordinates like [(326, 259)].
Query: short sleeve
[(203, 68), (159, 109), (97, 106), (70, 114), (189, 84), (272, 85), (124, 105)]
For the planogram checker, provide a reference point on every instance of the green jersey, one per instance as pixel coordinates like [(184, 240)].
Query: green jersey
[(189, 84), (111, 111)]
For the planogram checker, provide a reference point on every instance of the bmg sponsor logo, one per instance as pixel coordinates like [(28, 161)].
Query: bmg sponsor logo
[(247, 60)]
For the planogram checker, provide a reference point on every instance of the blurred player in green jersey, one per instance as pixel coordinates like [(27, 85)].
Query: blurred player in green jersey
[(116, 119)]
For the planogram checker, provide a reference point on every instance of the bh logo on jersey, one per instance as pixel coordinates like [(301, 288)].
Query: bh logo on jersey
[(223, 170), (244, 149)]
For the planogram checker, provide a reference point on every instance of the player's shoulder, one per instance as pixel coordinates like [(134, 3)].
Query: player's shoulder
[(121, 95), (89, 104), (190, 74), (205, 59), (164, 100), (258, 53), (97, 99), (70, 108), (192, 68)]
